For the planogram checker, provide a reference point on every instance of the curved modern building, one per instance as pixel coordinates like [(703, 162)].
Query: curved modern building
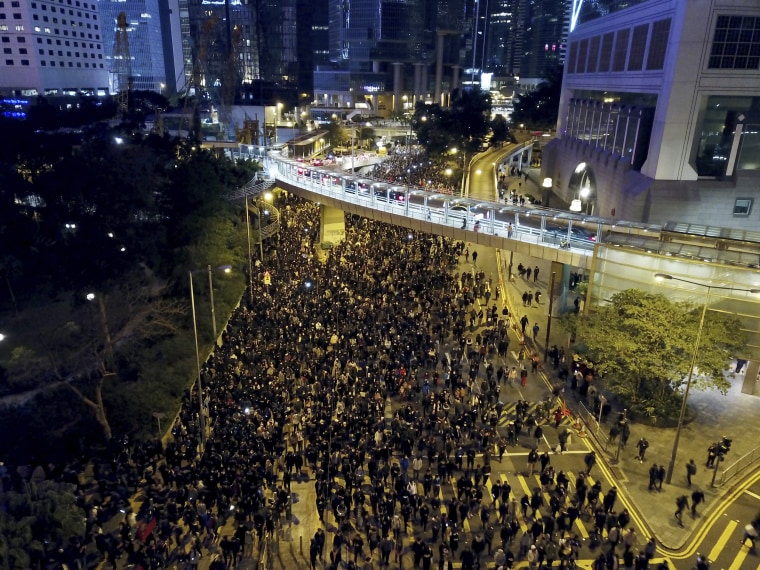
[(660, 112)]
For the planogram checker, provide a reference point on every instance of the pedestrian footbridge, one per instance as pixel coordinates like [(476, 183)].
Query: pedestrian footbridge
[(616, 255), (536, 232)]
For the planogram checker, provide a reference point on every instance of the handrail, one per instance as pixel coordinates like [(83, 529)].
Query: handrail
[(446, 214), (740, 464)]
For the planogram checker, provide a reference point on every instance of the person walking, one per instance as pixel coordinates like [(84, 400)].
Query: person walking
[(474, 257), (535, 274), (642, 446), (524, 322), (536, 328), (691, 469), (682, 503), (532, 459), (697, 497), (528, 272), (590, 461), (660, 477), (653, 470), (750, 532)]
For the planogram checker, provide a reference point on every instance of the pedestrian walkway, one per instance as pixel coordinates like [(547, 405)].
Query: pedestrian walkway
[(714, 416)]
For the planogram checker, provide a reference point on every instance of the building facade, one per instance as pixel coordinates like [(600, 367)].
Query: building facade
[(154, 42), (660, 114), (52, 48)]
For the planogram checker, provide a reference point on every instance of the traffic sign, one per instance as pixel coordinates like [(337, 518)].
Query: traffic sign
[(267, 278)]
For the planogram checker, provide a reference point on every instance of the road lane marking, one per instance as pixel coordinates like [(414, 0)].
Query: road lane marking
[(751, 494), (722, 541), (739, 559)]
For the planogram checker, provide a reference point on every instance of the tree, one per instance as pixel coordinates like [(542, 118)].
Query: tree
[(366, 134), (642, 344), (463, 126), (337, 133), (539, 109), (499, 130), (37, 522)]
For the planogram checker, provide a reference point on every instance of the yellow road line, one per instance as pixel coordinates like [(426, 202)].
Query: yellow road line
[(739, 559), (723, 540)]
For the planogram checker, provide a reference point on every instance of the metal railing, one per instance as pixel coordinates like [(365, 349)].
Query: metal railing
[(446, 209), (739, 465), (593, 425), (259, 184)]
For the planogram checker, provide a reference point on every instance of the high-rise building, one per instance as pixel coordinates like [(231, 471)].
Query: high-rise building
[(504, 42), (154, 50), (660, 113), (545, 28), (266, 49), (52, 48), (383, 52)]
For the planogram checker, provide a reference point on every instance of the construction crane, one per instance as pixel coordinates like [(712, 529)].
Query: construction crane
[(121, 68), (198, 80)]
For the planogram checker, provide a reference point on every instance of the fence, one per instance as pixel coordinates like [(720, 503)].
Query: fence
[(593, 425), (739, 465)]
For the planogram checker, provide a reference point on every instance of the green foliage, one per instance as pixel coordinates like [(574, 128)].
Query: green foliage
[(337, 134), (145, 212), (643, 344), (38, 521), (499, 130), (539, 108), (463, 126)]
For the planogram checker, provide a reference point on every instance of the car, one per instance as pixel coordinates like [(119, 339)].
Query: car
[(576, 233), (317, 162), (385, 193)]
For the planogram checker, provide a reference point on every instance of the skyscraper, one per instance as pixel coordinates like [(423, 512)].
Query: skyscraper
[(153, 49), (51, 49), (660, 112), (264, 49), (545, 28)]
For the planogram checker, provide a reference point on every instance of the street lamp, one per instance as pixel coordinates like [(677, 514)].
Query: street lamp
[(695, 353), (201, 405), (225, 269)]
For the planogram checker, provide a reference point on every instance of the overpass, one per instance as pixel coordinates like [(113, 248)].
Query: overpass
[(616, 255), (532, 231)]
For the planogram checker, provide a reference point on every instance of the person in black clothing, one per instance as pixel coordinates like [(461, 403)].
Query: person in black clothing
[(682, 503)]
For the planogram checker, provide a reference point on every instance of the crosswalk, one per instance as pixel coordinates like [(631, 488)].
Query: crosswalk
[(727, 547), (534, 408)]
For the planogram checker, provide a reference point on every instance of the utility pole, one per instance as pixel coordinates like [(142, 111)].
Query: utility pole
[(549, 318)]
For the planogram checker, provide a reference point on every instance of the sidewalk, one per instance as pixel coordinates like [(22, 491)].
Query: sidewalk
[(714, 416)]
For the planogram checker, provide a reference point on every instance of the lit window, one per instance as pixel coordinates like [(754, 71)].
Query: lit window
[(20, 28)]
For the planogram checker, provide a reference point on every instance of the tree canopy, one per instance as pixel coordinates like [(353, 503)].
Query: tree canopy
[(539, 109), (464, 125), (642, 344), (103, 233)]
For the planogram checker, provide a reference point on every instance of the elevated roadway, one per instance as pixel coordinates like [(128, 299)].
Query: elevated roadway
[(536, 232)]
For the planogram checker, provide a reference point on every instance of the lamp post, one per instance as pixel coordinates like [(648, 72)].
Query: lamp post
[(547, 186), (201, 407), (694, 354), (226, 269), (549, 318), (250, 255)]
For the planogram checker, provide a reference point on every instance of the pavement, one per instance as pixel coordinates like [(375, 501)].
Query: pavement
[(713, 415)]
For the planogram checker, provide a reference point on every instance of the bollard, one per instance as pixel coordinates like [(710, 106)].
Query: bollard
[(300, 540)]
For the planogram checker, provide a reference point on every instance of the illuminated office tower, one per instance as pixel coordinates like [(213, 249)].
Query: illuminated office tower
[(51, 48), (659, 117)]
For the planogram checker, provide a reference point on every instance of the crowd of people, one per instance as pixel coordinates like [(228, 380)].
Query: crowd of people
[(412, 166), (299, 389)]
